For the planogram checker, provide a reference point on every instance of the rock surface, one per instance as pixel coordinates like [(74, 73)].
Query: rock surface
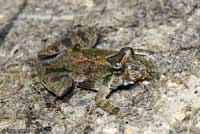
[(169, 29)]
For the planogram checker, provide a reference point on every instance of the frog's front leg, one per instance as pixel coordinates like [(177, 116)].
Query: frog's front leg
[(103, 103), (101, 100)]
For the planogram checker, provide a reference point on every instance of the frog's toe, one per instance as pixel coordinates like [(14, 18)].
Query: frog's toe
[(107, 106), (115, 110)]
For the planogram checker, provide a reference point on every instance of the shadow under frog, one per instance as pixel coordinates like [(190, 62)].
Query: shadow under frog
[(64, 65)]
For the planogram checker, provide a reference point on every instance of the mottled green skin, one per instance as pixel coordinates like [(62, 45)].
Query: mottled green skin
[(80, 66), (60, 66)]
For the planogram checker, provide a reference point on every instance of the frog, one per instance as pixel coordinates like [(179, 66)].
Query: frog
[(69, 63)]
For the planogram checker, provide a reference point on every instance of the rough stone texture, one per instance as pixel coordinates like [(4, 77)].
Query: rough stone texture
[(170, 29)]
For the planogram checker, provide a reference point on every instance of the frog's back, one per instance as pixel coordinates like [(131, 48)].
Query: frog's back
[(88, 63)]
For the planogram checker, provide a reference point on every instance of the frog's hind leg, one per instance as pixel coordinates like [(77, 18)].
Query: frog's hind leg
[(103, 103), (87, 85)]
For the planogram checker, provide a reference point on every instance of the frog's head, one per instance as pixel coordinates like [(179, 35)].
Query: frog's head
[(118, 60), (123, 68), (127, 69), (133, 68)]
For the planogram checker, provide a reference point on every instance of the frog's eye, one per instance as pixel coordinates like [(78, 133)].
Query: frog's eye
[(126, 50)]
